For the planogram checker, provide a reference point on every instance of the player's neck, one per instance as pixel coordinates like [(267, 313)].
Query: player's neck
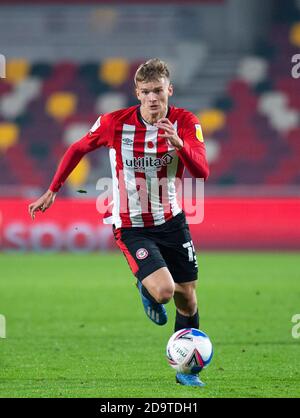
[(153, 118)]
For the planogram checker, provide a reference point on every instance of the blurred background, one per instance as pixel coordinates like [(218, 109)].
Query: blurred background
[(232, 65)]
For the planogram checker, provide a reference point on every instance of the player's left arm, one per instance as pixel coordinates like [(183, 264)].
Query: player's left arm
[(190, 146)]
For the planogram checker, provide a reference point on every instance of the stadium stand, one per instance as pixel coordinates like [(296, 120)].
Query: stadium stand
[(46, 106), (260, 138)]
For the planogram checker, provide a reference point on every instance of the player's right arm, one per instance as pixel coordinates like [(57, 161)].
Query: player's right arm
[(42, 204), (98, 135)]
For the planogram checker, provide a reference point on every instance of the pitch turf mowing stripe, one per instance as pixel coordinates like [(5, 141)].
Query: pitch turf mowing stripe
[(76, 328)]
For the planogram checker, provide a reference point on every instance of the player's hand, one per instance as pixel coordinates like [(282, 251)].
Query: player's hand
[(42, 204), (170, 133)]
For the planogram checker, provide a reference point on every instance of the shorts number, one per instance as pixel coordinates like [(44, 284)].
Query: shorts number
[(191, 251)]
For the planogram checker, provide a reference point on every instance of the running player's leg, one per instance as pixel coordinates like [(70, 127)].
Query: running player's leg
[(185, 299), (177, 249), (160, 285), (154, 282), (187, 316), (156, 289)]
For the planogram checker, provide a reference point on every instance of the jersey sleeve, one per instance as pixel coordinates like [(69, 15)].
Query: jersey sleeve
[(101, 134), (193, 153)]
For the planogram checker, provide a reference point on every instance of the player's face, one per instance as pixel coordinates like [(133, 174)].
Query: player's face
[(154, 96)]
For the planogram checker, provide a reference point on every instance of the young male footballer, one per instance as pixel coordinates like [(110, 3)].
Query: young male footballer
[(149, 144)]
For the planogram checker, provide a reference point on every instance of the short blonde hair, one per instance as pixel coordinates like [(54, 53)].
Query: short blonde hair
[(151, 70)]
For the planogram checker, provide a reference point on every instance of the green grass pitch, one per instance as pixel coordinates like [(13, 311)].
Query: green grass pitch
[(76, 328)]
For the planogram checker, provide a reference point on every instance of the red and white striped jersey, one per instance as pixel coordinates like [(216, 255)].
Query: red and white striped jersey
[(145, 167)]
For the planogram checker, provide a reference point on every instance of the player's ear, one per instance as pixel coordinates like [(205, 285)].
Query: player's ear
[(170, 89), (137, 92)]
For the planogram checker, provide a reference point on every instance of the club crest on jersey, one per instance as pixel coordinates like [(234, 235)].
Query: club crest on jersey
[(142, 253), (96, 125), (199, 134), (149, 162)]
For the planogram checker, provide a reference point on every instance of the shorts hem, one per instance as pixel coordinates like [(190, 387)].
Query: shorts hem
[(185, 278), (146, 271)]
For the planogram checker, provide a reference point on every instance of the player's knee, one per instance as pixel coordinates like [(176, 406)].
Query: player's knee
[(191, 301), (165, 294), (187, 301), (189, 309)]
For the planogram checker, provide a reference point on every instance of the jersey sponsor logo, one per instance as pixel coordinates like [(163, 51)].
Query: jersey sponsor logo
[(141, 254), (96, 125), (146, 162), (199, 134)]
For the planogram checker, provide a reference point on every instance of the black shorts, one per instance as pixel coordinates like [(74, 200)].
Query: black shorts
[(151, 248)]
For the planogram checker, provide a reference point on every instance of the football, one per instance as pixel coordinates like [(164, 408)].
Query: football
[(189, 350)]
